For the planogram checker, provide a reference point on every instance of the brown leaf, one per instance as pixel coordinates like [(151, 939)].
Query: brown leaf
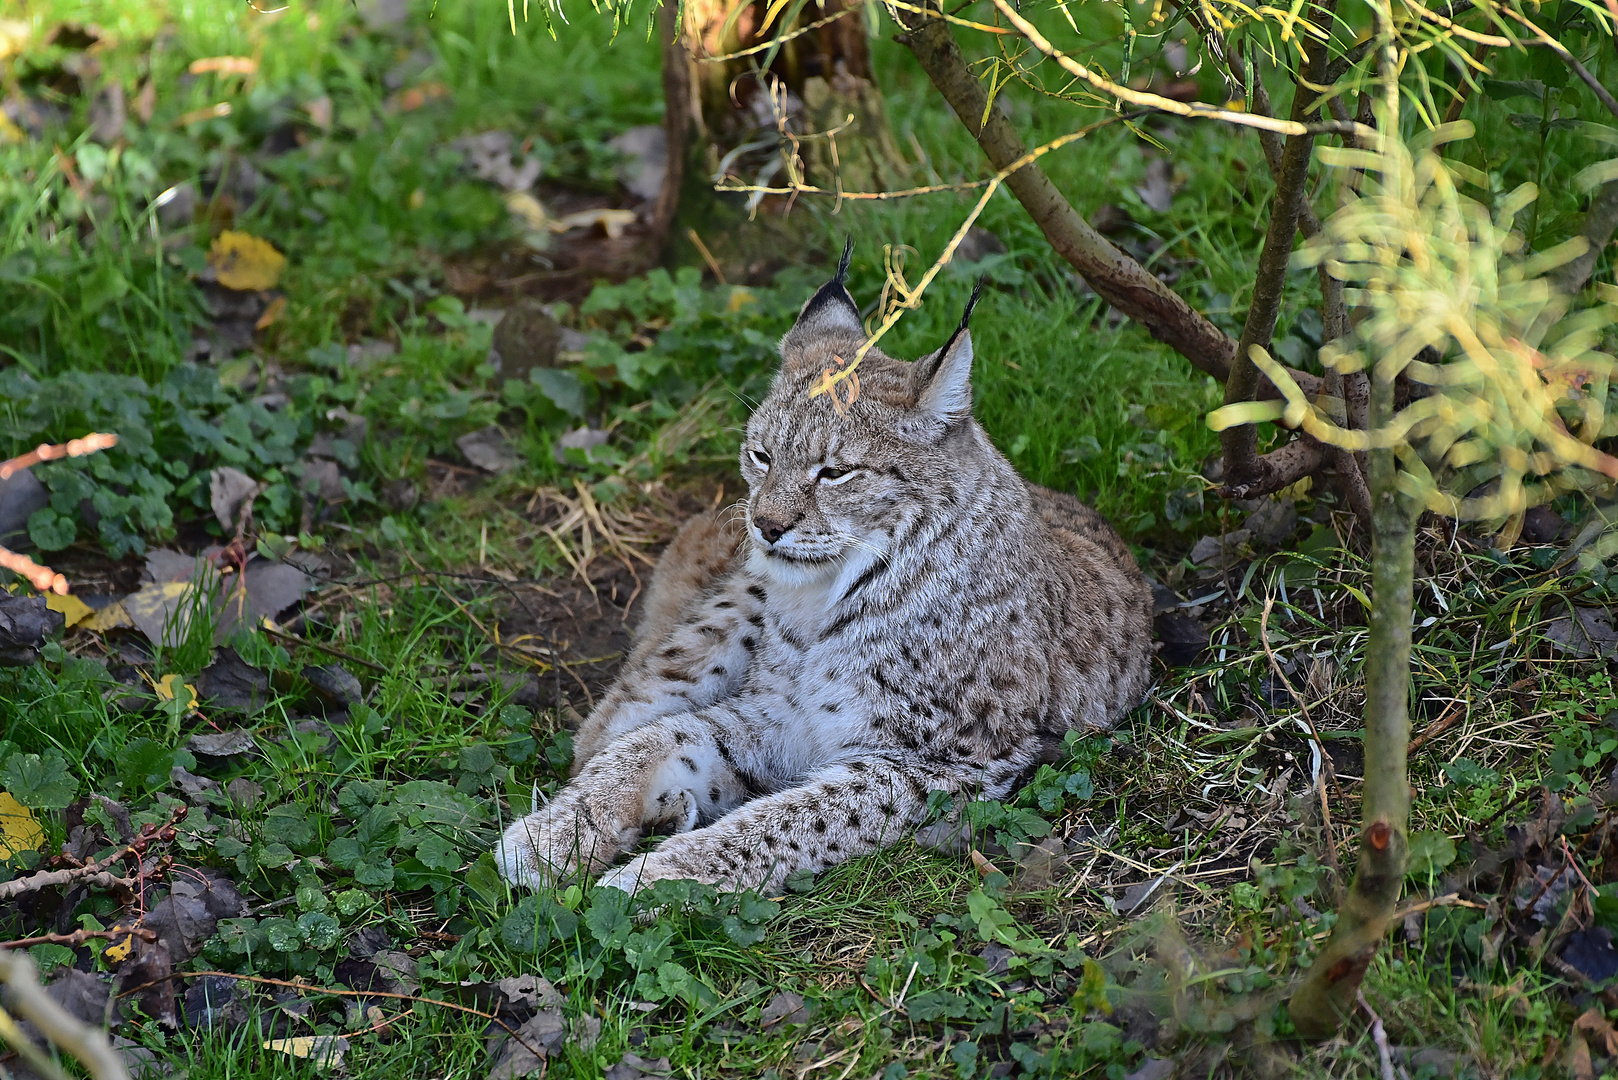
[(1594, 1022), (148, 976), (228, 489), (1578, 1058)]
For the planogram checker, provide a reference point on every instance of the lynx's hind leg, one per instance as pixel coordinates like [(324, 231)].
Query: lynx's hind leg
[(695, 641), (705, 549)]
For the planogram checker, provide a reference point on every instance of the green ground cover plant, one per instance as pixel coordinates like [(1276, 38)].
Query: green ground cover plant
[(343, 774)]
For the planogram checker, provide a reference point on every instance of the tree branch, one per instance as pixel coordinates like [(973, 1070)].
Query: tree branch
[(1600, 221), (1116, 278), (1602, 93), (1291, 182), (677, 121), (1278, 469)]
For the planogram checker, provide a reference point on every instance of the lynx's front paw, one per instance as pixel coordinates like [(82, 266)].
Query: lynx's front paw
[(518, 853), (554, 843)]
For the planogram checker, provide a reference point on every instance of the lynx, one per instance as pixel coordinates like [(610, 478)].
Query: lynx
[(896, 612)]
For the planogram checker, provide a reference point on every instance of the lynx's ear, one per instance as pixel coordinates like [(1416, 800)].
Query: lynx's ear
[(943, 380), (830, 310)]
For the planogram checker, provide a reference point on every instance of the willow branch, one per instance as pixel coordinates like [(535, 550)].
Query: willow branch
[(1116, 278), (1144, 99), (88, 1045)]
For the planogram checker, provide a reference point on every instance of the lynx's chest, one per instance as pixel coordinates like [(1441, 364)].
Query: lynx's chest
[(817, 710)]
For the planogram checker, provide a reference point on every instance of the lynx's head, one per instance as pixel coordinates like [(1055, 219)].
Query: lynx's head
[(834, 487)]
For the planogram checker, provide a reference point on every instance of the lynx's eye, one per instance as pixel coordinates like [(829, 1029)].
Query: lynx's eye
[(831, 476), (760, 458)]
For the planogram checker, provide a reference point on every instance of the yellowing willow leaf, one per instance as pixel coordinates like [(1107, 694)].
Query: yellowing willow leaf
[(1245, 412)]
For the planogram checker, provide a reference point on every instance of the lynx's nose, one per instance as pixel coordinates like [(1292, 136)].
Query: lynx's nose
[(771, 529)]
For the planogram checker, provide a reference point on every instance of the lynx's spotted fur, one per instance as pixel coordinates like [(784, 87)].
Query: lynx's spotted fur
[(899, 612)]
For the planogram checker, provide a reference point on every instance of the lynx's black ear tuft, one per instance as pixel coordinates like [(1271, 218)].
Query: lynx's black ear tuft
[(843, 263), (942, 380), (831, 308)]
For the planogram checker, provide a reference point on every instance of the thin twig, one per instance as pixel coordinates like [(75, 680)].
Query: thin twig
[(1143, 99), (79, 937), (702, 249), (829, 379), (321, 646), (47, 452), (1379, 1035), (1602, 93), (87, 1044), (1438, 727)]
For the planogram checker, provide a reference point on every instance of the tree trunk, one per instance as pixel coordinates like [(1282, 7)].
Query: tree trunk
[(811, 109), (1328, 991)]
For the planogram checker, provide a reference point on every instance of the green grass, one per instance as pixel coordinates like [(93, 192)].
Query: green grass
[(372, 215)]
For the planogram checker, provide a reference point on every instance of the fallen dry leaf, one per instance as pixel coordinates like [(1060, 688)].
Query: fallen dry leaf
[(1593, 1022), (110, 617), (160, 611), (416, 96), (319, 110), (225, 65), (613, 222), (325, 1051), (72, 609), (246, 263), (277, 308), (14, 35), (167, 689), (529, 210), (228, 489), (209, 112), (19, 829), (222, 743)]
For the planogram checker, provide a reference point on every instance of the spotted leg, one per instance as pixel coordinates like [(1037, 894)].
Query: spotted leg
[(671, 773), (840, 812)]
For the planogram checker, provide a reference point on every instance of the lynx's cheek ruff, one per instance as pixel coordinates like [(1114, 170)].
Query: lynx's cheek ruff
[(893, 612)]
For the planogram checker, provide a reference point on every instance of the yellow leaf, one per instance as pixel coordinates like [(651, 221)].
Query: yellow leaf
[(119, 951), (245, 263), (74, 610), (323, 1050), (19, 831), (164, 688), (108, 618), (739, 298), (14, 35)]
